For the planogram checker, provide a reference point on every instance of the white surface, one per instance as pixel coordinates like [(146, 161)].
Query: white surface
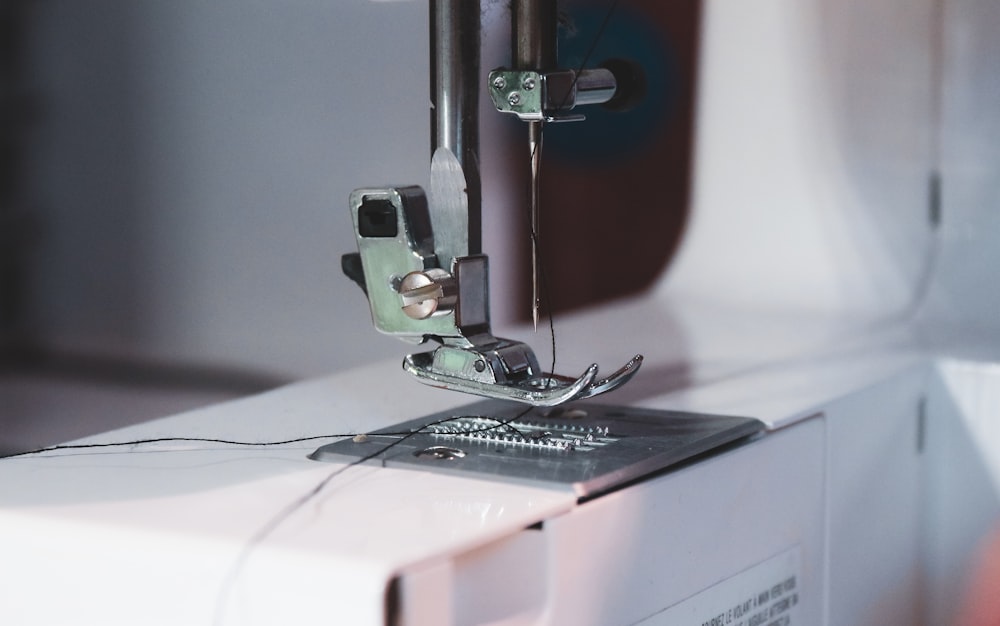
[(974, 389), (670, 538), (813, 149), (30, 402), (115, 532), (703, 357), (192, 169), (623, 558), (962, 318), (874, 494), (173, 516), (743, 596), (962, 505), (168, 520)]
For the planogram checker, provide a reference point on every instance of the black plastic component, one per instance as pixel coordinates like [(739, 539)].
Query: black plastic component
[(350, 264), (377, 218), (631, 84)]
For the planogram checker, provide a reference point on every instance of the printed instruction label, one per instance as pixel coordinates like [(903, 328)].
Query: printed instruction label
[(767, 594)]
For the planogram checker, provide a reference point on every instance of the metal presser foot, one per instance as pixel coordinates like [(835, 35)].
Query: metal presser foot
[(509, 371), (420, 291)]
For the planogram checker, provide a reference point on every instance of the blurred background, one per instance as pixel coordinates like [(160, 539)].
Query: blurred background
[(174, 181)]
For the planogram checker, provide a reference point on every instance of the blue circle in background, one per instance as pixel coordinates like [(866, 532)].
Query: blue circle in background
[(609, 135)]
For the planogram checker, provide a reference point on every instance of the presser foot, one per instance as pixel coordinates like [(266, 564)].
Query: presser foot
[(509, 371)]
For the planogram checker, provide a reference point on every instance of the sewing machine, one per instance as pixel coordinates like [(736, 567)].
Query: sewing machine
[(420, 266), (808, 440)]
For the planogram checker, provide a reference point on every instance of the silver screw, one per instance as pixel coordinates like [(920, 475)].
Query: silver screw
[(514, 99), (528, 84), (499, 83)]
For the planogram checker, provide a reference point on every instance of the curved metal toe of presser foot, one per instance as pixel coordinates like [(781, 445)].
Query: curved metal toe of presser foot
[(616, 380), (539, 390)]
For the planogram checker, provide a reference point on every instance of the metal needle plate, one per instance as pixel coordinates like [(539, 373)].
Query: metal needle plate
[(586, 448)]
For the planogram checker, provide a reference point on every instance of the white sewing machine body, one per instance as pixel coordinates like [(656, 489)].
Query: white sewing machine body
[(834, 283)]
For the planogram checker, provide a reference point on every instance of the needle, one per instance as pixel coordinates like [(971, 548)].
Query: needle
[(535, 145)]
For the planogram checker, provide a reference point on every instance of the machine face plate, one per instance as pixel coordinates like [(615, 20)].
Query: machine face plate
[(583, 447)]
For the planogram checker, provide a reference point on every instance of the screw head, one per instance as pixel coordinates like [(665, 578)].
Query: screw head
[(528, 84), (420, 295), (499, 83), (514, 99)]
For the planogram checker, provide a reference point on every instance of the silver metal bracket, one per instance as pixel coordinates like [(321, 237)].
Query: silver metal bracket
[(548, 96), (416, 299)]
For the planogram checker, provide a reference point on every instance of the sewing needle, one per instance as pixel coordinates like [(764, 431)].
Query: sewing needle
[(535, 145)]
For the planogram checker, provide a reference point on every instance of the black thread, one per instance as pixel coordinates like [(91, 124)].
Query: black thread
[(531, 226), (590, 51), (138, 442), (233, 442), (271, 525)]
